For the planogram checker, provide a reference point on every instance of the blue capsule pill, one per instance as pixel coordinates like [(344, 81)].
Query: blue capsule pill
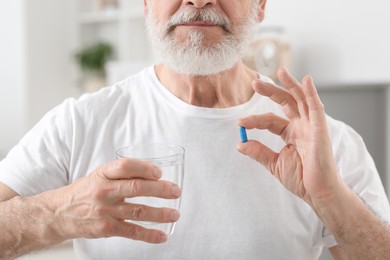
[(244, 137)]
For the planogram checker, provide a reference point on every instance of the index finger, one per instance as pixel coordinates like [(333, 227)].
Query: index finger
[(278, 95), (129, 169)]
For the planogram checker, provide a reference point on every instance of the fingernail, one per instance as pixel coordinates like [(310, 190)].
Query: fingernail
[(156, 172), (240, 120), (287, 71), (239, 147), (311, 80), (174, 216), (162, 238), (176, 191)]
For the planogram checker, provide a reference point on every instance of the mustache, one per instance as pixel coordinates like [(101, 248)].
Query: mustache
[(199, 15)]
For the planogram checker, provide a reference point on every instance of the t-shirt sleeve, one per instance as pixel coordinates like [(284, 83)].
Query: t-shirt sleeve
[(358, 170), (39, 162)]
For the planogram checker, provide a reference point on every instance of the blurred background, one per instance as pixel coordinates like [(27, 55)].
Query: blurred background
[(55, 49)]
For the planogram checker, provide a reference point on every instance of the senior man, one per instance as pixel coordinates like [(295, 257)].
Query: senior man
[(62, 180)]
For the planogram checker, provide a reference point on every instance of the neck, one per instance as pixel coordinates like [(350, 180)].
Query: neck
[(225, 89)]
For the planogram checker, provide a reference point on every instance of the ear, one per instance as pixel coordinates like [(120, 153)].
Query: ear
[(146, 7), (261, 13)]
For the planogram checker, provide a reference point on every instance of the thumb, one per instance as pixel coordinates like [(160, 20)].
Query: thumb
[(259, 152)]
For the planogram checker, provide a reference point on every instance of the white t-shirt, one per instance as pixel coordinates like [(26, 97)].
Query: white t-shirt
[(232, 208)]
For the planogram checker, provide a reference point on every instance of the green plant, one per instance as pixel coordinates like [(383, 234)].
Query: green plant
[(94, 57)]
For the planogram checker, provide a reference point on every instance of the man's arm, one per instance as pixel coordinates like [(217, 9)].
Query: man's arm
[(24, 225), (306, 167), (92, 207), (359, 232)]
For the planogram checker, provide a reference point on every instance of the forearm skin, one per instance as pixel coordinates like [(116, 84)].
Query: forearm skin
[(359, 232), (27, 224)]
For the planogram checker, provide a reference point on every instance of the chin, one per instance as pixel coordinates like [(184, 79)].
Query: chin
[(200, 71), (200, 65)]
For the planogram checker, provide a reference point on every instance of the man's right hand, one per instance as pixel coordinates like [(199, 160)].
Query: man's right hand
[(95, 207)]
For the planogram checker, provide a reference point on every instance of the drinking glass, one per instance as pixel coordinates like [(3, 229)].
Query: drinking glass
[(170, 159)]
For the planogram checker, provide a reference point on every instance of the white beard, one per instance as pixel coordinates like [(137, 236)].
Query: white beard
[(195, 58)]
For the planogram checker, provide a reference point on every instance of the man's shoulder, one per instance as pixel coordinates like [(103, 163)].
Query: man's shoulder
[(133, 82), (123, 89), (144, 74), (116, 97)]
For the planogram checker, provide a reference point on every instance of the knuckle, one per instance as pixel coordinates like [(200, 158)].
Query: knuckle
[(132, 165), (267, 118), (138, 233), (138, 212), (145, 167), (136, 186), (99, 193), (151, 237), (100, 212), (122, 165), (134, 232), (105, 228)]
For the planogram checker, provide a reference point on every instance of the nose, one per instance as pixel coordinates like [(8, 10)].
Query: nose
[(200, 3)]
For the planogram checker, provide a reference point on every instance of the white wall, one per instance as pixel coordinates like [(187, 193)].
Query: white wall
[(336, 41), (35, 64), (49, 55), (12, 72)]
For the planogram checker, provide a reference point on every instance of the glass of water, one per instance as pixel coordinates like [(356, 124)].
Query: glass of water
[(170, 159)]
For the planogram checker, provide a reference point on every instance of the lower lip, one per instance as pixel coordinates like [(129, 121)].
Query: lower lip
[(199, 25)]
